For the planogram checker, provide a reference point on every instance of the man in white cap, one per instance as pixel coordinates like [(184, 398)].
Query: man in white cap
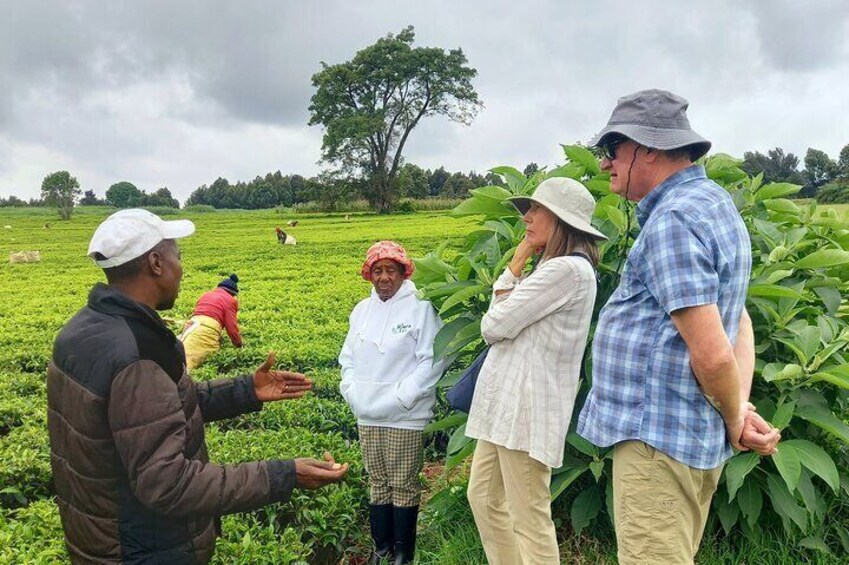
[(133, 480), (673, 352)]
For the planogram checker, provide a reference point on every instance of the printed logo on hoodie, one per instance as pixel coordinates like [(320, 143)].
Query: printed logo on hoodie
[(401, 328)]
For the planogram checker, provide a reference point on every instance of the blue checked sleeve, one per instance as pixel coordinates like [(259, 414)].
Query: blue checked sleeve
[(679, 262)]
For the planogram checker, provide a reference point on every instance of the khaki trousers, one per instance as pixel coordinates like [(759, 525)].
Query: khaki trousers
[(510, 499), (660, 505)]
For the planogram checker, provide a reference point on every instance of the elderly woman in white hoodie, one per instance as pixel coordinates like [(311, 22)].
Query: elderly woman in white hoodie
[(537, 327), (388, 379)]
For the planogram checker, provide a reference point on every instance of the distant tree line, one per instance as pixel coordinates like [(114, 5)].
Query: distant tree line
[(125, 195), (822, 177), (277, 189), (15, 202), (61, 189)]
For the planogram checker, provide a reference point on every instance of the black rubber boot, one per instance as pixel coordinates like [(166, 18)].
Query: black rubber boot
[(405, 519), (380, 520)]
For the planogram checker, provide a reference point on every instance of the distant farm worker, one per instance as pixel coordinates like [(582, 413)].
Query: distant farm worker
[(673, 352), (133, 480), (388, 379), (537, 325), (283, 238), (215, 311)]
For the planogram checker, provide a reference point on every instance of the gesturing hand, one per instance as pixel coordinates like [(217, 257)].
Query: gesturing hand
[(311, 473), (271, 384)]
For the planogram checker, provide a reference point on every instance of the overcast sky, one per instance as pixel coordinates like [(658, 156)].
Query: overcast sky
[(178, 93)]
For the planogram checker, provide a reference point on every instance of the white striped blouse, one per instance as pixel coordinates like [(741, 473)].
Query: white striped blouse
[(527, 386)]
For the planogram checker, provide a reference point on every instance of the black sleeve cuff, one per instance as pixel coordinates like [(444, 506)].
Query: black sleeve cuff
[(281, 476), (244, 394)]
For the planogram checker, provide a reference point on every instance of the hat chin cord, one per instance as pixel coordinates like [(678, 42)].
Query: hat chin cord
[(627, 206)]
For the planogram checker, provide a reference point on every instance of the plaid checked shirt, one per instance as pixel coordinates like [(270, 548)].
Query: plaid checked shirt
[(693, 249)]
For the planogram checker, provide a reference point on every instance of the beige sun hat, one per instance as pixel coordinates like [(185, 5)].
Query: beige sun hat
[(567, 199)]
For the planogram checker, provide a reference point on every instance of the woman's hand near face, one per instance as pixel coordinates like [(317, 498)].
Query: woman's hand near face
[(520, 257)]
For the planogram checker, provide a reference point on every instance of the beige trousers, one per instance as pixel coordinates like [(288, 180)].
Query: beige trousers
[(510, 499), (660, 505)]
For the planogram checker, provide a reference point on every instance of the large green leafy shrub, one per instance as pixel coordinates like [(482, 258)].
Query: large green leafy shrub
[(835, 192), (798, 306)]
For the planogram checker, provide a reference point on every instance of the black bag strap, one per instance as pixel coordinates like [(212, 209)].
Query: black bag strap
[(588, 348), (584, 255), (590, 261)]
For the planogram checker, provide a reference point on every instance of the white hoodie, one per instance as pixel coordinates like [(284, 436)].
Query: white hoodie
[(388, 374)]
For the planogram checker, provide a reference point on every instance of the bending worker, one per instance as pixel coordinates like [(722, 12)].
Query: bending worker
[(215, 310)]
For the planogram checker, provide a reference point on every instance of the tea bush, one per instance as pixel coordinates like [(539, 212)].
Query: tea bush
[(32, 534)]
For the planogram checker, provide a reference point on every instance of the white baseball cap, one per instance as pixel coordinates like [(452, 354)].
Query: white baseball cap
[(128, 234)]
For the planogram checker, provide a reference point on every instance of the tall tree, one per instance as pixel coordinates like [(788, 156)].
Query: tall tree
[(530, 169), (90, 199), (843, 163), (493, 180), (412, 181), (776, 165), (370, 104), (60, 189), (262, 196), (458, 185), (123, 195), (819, 170), (298, 189), (161, 197), (437, 180)]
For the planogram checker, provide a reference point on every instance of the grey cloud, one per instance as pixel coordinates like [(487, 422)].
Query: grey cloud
[(802, 36), (177, 93)]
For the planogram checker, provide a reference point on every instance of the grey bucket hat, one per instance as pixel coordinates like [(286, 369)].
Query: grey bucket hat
[(654, 118), (567, 199)]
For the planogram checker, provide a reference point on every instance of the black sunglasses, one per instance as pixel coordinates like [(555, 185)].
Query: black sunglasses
[(608, 149)]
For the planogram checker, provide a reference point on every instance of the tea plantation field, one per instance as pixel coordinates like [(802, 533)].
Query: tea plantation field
[(294, 300)]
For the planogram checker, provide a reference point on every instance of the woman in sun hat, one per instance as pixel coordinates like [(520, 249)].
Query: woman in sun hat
[(388, 379), (537, 327), (215, 311)]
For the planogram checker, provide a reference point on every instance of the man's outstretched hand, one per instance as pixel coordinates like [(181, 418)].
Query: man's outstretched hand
[(271, 384), (312, 473)]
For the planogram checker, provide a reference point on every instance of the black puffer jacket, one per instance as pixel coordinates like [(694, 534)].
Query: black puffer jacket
[(130, 467)]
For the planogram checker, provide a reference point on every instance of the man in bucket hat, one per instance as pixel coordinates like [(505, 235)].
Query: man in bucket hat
[(133, 480), (673, 352)]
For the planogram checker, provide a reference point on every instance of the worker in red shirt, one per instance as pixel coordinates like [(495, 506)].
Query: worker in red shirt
[(215, 310)]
